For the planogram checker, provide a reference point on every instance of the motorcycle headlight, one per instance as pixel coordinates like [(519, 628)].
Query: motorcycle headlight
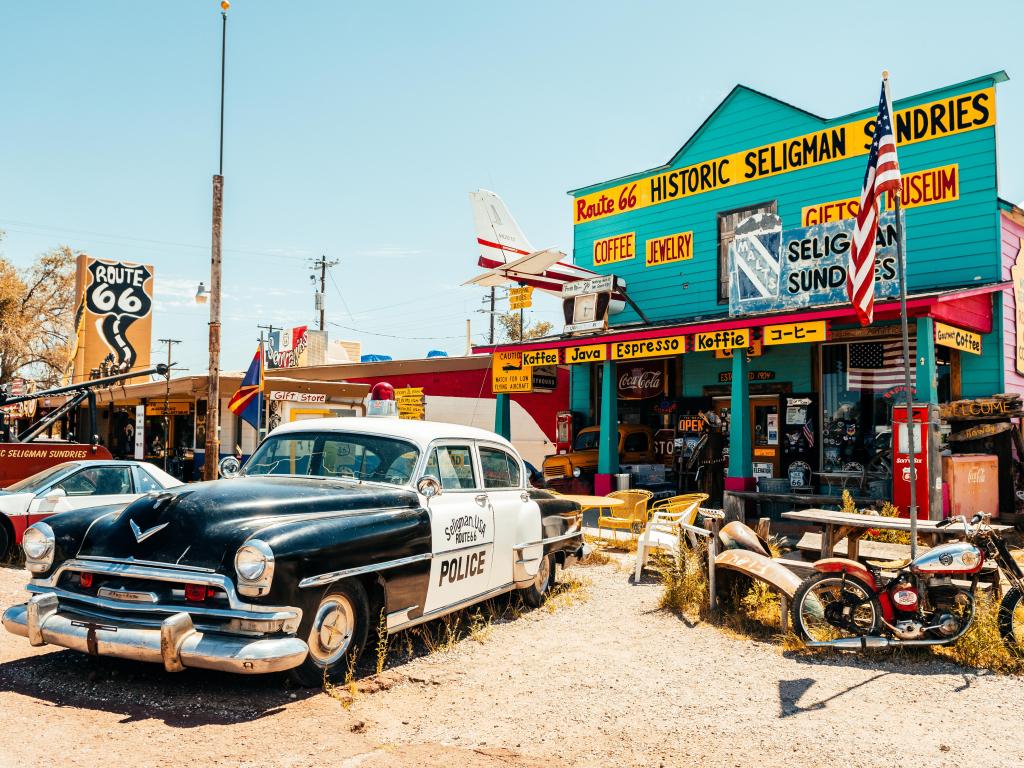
[(576, 472), (254, 564), (39, 544)]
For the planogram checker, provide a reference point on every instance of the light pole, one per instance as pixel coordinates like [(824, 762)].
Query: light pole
[(213, 381)]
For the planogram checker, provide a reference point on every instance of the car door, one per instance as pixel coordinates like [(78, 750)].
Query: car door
[(516, 516), (462, 526), (90, 486)]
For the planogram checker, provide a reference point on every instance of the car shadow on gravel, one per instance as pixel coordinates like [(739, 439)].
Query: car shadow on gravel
[(141, 691)]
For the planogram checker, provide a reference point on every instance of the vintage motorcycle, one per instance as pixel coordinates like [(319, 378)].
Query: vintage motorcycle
[(849, 606)]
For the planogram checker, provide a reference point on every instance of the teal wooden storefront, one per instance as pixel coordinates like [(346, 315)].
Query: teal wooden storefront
[(743, 159)]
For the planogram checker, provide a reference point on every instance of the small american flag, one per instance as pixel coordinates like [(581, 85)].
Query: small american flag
[(881, 176), (809, 432), (876, 366)]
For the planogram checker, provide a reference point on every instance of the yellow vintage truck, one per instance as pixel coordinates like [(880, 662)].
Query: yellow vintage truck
[(573, 472)]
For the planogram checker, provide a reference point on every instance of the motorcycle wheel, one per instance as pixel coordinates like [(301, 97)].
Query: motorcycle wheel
[(1011, 618), (819, 614)]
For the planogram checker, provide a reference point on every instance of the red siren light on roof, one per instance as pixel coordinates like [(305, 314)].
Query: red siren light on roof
[(382, 391), (382, 401)]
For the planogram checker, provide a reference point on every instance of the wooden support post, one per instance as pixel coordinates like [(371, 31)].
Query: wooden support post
[(784, 612), (715, 523)]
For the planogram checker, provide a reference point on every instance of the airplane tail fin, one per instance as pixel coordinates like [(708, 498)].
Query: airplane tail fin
[(498, 236)]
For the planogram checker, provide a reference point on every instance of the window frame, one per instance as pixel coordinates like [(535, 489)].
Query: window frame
[(474, 458), (768, 206), (509, 457), (88, 467)]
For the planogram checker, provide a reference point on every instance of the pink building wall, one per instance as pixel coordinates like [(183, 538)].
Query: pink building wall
[(1011, 234)]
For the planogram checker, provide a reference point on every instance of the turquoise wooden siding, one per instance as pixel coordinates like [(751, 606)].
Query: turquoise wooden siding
[(791, 363), (948, 244), (982, 375), (579, 390)]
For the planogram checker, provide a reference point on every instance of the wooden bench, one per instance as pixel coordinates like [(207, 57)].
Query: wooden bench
[(871, 550)]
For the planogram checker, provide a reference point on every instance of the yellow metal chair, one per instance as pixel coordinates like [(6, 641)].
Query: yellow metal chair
[(630, 516), (663, 530)]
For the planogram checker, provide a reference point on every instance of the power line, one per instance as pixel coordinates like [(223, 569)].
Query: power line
[(392, 336)]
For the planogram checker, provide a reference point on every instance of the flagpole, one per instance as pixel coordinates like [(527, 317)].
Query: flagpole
[(259, 396), (904, 328)]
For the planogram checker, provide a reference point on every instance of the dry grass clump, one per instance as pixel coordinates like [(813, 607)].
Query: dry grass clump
[(571, 590), (982, 647), (684, 580)]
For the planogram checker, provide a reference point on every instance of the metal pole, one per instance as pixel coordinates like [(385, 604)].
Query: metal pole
[(323, 288), (167, 394), (212, 446), (491, 334), (907, 382)]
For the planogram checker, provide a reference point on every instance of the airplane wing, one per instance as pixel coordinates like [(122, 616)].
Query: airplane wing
[(532, 265)]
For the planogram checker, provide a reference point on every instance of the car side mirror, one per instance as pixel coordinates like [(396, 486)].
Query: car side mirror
[(429, 487), (229, 467), (55, 493)]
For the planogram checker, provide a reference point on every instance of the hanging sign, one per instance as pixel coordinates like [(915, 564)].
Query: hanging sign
[(508, 374), (540, 357), (297, 397), (795, 333), (756, 349), (956, 338), (168, 409), (668, 249), (410, 403), (615, 248), (725, 377), (544, 377), (943, 117), (140, 432), (629, 350), (641, 380), (772, 270), (520, 298), (731, 339), (589, 354)]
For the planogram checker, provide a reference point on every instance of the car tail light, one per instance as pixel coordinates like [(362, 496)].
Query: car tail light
[(85, 580), (195, 593)]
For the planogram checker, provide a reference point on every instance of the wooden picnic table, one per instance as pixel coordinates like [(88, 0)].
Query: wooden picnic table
[(851, 526)]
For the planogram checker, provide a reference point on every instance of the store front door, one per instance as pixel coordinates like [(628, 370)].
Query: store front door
[(764, 420)]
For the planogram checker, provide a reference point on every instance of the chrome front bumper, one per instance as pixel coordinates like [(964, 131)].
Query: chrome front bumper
[(176, 644)]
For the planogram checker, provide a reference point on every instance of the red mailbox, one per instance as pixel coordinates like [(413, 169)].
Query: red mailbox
[(925, 464)]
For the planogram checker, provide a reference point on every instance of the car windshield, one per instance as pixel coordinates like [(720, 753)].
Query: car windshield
[(344, 455), (587, 441), (39, 480)]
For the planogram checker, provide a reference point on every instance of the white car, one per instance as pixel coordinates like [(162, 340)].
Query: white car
[(74, 485)]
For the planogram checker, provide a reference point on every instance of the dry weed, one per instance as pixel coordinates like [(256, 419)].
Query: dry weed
[(571, 590), (684, 580), (982, 647)]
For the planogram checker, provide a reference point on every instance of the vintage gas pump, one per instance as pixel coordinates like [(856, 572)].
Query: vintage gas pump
[(566, 424), (926, 462)]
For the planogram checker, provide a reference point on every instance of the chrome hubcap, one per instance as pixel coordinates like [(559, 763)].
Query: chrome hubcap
[(332, 630), (541, 582)]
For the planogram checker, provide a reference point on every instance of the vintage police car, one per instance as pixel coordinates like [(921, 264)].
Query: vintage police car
[(289, 565)]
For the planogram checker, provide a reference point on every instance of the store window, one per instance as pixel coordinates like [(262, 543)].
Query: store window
[(861, 382), (727, 223)]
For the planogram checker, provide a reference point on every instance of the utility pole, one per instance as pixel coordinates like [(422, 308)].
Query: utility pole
[(324, 265), (491, 335), (212, 446), (167, 394)]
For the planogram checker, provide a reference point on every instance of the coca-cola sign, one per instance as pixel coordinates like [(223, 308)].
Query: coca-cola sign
[(641, 380)]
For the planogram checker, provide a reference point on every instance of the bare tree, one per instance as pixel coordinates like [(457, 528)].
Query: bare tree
[(37, 322), (508, 324)]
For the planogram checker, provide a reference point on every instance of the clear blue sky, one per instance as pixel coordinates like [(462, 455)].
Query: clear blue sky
[(357, 130)]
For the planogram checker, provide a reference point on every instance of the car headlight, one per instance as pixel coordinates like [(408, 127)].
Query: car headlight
[(254, 564), (576, 472), (39, 544)]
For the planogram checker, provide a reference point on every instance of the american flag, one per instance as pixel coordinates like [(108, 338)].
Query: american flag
[(875, 366), (809, 432), (882, 175)]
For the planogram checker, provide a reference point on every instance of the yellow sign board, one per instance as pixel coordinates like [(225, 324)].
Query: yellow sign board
[(795, 333), (508, 374), (540, 357), (731, 339), (756, 349), (410, 403), (630, 350), (609, 250), (934, 185), (934, 120), (668, 249), (591, 353), (520, 298), (965, 341)]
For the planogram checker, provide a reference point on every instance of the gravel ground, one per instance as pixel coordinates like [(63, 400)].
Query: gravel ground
[(603, 679)]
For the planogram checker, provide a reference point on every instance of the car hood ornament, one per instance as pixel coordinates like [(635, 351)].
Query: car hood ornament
[(141, 535)]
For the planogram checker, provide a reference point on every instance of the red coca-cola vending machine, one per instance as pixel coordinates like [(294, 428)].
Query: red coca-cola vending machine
[(925, 422), (566, 425)]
